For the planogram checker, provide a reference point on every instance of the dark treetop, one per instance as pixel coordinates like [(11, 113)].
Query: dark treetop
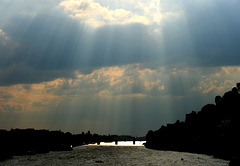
[(214, 130)]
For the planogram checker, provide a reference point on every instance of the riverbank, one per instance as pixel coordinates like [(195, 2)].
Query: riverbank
[(31, 141), (212, 131)]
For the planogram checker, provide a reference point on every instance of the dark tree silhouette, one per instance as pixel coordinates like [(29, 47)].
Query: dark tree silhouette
[(213, 130)]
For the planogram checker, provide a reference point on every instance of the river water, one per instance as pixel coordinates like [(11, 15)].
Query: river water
[(110, 154)]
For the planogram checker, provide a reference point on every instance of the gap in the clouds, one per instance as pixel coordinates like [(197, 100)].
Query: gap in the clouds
[(114, 67), (100, 13)]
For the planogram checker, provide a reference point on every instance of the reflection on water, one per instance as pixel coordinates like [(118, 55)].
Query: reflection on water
[(114, 156), (120, 143)]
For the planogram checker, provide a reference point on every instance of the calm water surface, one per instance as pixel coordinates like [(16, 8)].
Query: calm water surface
[(125, 153)]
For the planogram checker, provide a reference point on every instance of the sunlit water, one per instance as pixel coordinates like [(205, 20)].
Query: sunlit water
[(125, 153), (121, 143)]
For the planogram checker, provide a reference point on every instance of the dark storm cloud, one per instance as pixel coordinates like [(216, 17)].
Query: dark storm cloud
[(18, 74), (214, 27), (44, 50), (45, 43), (49, 44), (123, 44)]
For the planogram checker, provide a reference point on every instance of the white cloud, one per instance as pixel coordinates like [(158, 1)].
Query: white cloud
[(96, 14), (7, 44), (151, 10), (3, 38)]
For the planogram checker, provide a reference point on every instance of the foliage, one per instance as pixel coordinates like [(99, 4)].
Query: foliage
[(213, 130)]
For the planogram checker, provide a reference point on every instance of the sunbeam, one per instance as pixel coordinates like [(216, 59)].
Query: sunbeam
[(113, 67)]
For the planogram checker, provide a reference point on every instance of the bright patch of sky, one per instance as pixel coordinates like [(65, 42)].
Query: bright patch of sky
[(99, 13)]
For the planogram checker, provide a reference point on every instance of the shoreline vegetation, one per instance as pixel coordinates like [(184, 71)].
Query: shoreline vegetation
[(213, 131), (30, 141)]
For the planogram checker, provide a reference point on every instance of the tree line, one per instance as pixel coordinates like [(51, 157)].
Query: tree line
[(31, 141), (213, 130)]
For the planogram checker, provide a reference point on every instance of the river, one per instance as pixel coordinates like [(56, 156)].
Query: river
[(110, 154)]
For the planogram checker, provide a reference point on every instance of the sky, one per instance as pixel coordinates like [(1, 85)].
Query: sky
[(114, 67)]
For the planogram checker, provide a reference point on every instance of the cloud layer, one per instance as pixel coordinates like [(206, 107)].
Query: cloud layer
[(97, 14), (107, 63), (49, 41), (127, 99)]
